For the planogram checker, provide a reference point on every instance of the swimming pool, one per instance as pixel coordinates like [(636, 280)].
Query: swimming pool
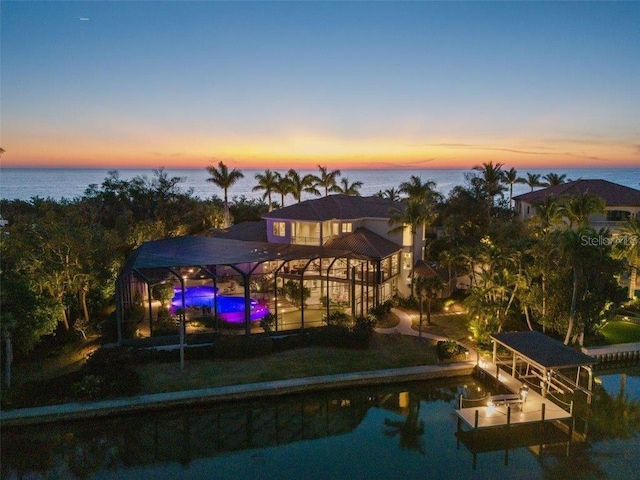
[(230, 308)]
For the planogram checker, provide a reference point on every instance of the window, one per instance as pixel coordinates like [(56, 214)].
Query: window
[(335, 228), (279, 229), (617, 215), (395, 265), (346, 227), (406, 261)]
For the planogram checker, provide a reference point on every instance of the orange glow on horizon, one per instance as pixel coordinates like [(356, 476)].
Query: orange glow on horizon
[(306, 151)]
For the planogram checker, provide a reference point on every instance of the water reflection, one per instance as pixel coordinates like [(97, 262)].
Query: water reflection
[(399, 431), (76, 450)]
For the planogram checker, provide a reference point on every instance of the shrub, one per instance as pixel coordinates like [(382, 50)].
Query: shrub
[(267, 322), (89, 387), (383, 309), (336, 318), (451, 350)]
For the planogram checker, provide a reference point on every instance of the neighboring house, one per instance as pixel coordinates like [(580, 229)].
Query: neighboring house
[(621, 203)]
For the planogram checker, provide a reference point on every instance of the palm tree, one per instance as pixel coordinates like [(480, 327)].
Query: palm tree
[(267, 181), (418, 191), (327, 179), (429, 288), (415, 214), (224, 179), (579, 207), (492, 177), (571, 246), (533, 180), (553, 179), (390, 193), (630, 249), (548, 215), (299, 185), (510, 178), (282, 186), (347, 188)]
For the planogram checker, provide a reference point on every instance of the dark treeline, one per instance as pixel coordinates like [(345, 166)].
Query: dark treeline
[(60, 259)]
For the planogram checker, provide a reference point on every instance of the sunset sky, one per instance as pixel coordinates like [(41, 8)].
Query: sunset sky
[(349, 85)]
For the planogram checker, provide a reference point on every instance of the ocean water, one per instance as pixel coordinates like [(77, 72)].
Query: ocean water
[(57, 183)]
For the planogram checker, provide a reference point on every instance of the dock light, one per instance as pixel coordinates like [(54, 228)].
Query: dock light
[(491, 407)]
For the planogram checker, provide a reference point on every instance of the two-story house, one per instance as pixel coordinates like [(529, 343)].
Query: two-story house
[(621, 203), (299, 263)]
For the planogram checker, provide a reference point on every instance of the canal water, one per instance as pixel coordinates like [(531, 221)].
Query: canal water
[(382, 432)]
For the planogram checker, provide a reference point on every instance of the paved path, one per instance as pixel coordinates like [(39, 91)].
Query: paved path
[(404, 327)]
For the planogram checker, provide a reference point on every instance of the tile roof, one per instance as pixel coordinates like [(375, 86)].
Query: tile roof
[(245, 231), (337, 207), (423, 270), (364, 242), (612, 193)]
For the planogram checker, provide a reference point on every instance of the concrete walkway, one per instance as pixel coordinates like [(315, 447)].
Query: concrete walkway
[(404, 327), (72, 411)]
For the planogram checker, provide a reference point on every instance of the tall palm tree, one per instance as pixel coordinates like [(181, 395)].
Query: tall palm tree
[(267, 181), (415, 214), (346, 188), (552, 179), (492, 177), (533, 180), (510, 178), (629, 247), (327, 179), (428, 288), (282, 186), (579, 207), (571, 246), (225, 179), (301, 184)]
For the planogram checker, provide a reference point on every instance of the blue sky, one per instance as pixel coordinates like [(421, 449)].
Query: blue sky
[(359, 84)]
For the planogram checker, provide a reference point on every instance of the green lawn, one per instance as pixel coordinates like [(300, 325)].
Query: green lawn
[(387, 351), (451, 325), (621, 332)]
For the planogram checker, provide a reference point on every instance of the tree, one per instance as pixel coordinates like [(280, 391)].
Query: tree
[(390, 193), (282, 186), (347, 188), (548, 216), (267, 181), (419, 191), (413, 215), (491, 180), (628, 246), (552, 179), (510, 178), (533, 180), (327, 179), (429, 288), (579, 207), (224, 179), (301, 184)]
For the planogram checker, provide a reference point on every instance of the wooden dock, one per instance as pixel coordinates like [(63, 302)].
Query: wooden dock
[(506, 410)]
